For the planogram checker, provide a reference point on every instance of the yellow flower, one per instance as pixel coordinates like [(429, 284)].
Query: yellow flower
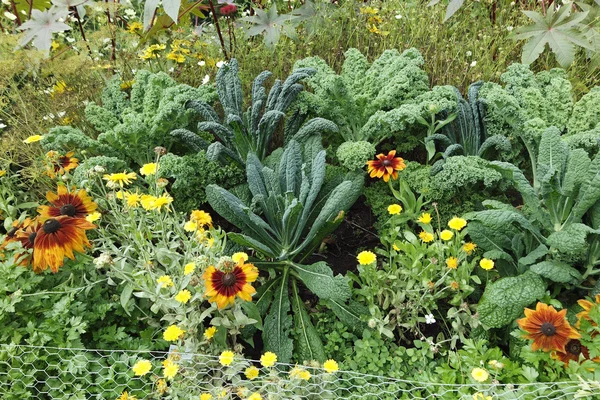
[(226, 357), (59, 88), (93, 217), (425, 218), (206, 396), (126, 84), (126, 396), (210, 332), (496, 364), (480, 374), (189, 268), (134, 27), (177, 57), (173, 333), (486, 264), (161, 386), (368, 10), (452, 262), (120, 178), (149, 169), (147, 201), (2, 172), (446, 234), (183, 296), (165, 280), (190, 226), (457, 223), (300, 373), (132, 199), (481, 396), (396, 248), (201, 217), (366, 257), (169, 369), (394, 209), (255, 396), (454, 285), (142, 367), (162, 201), (426, 236), (251, 372), (469, 247), (55, 45), (330, 366), (268, 359), (240, 257), (33, 139)]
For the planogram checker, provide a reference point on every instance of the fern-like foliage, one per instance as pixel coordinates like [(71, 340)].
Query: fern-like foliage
[(240, 132)]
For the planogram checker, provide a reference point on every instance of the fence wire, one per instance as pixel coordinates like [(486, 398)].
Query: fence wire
[(31, 372)]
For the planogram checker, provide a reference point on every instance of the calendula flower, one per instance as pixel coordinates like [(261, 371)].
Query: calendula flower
[(149, 169), (183, 296), (190, 226), (173, 333), (206, 396), (119, 179), (425, 218), (469, 247), (33, 139), (587, 305), (170, 369), (58, 238), (300, 373), (481, 396), (223, 286), (255, 396), (251, 372), (486, 264), (366, 257), (59, 88), (480, 374), (452, 262), (209, 333), (76, 204), (189, 268), (426, 236), (142, 367), (548, 328), (201, 218), (386, 166), (446, 234), (165, 281), (330, 366), (268, 359), (457, 223), (240, 257), (394, 209), (93, 217), (226, 358)]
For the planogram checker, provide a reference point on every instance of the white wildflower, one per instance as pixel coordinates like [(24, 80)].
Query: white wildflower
[(429, 319)]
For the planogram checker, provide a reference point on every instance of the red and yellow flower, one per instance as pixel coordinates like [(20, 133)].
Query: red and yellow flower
[(27, 237), (76, 204), (222, 286), (548, 328), (587, 306), (386, 166), (59, 165), (11, 235), (573, 350)]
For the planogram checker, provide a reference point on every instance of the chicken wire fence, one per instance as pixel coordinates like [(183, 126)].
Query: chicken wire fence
[(31, 372)]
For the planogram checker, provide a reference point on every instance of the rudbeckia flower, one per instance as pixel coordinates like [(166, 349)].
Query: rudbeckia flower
[(587, 306), (573, 349), (386, 166), (548, 328), (58, 238), (27, 237), (59, 165), (223, 286), (11, 235), (76, 204)]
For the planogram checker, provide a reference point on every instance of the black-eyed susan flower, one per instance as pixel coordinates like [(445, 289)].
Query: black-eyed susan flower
[(226, 358), (548, 328), (268, 359), (587, 305), (27, 236), (59, 165), (58, 238), (11, 235), (76, 204), (331, 366), (223, 286), (119, 179), (573, 350), (366, 257), (386, 166), (173, 333), (141, 367), (251, 372)]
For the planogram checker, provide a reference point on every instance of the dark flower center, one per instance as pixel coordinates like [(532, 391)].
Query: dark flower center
[(387, 163), (228, 279), (68, 209), (12, 232), (574, 347), (548, 329), (31, 237), (51, 226)]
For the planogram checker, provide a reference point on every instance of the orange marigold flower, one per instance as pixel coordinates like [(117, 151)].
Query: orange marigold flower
[(386, 166), (58, 238), (587, 306), (76, 204), (223, 286), (548, 328)]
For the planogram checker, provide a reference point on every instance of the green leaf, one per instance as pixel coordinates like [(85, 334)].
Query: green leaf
[(264, 295), (251, 243), (557, 271), (571, 240), (125, 296), (319, 279), (589, 192), (278, 324), (308, 342), (269, 23), (350, 313), (220, 337), (532, 257), (596, 289), (251, 310), (504, 300), (453, 7)]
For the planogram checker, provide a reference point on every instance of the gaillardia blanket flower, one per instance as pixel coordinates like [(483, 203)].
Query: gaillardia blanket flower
[(58, 238), (548, 328), (223, 286), (76, 204), (386, 166)]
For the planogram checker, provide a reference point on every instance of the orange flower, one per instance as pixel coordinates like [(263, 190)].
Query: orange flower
[(27, 237), (572, 351), (547, 327), (59, 165), (223, 286), (587, 306), (386, 166), (58, 238), (11, 235), (76, 204)]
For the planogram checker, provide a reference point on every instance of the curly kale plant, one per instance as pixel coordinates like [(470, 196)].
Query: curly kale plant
[(299, 209), (252, 131), (554, 237)]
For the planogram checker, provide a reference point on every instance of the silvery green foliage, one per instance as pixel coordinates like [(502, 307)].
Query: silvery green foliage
[(298, 210), (241, 132)]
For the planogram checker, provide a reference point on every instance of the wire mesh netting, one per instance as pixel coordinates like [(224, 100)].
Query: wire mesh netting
[(30, 372)]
